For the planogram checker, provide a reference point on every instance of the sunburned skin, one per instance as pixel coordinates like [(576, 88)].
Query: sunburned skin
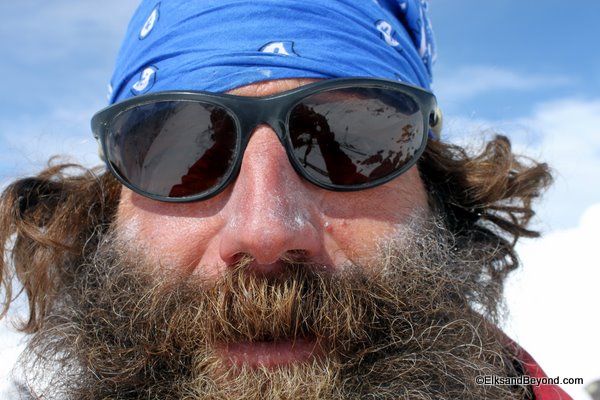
[(267, 212)]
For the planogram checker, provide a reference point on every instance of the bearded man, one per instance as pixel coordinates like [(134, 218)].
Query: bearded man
[(279, 219)]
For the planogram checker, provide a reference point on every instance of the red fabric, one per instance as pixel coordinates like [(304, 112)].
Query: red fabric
[(532, 369)]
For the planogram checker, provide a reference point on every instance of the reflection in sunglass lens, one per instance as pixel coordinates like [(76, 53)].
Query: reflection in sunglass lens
[(355, 135), (173, 148)]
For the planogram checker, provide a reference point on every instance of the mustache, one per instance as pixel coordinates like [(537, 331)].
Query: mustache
[(304, 301)]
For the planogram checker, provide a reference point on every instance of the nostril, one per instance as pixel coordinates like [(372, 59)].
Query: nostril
[(296, 257)]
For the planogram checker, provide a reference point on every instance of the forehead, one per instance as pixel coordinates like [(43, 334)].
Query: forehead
[(267, 88)]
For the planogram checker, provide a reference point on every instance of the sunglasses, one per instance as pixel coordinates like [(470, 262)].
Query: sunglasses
[(340, 134)]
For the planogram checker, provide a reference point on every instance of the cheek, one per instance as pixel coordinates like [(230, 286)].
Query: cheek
[(165, 234), (364, 219)]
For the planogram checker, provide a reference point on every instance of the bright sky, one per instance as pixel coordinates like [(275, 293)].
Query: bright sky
[(530, 70)]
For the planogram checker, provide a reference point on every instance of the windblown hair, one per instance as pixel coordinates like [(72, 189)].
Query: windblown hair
[(49, 220)]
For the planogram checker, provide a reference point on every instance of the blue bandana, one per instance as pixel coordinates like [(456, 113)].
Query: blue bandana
[(217, 45)]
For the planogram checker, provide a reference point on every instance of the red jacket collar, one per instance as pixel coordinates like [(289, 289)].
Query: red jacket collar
[(532, 369)]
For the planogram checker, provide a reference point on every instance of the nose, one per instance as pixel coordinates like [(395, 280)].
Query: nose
[(270, 211)]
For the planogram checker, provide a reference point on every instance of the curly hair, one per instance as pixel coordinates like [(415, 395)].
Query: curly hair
[(52, 218)]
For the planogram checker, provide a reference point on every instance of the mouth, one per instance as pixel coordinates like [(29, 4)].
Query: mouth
[(269, 353)]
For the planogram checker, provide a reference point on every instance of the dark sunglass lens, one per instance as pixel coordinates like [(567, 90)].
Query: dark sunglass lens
[(173, 148), (353, 136)]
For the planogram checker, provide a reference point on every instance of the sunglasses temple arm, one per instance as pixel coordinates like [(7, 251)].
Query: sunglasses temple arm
[(436, 123)]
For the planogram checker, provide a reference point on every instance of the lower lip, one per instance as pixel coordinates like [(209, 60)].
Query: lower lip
[(268, 354)]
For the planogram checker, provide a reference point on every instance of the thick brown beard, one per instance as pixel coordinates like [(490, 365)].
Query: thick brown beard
[(401, 328)]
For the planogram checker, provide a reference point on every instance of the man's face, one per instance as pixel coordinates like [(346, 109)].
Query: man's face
[(268, 212)]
